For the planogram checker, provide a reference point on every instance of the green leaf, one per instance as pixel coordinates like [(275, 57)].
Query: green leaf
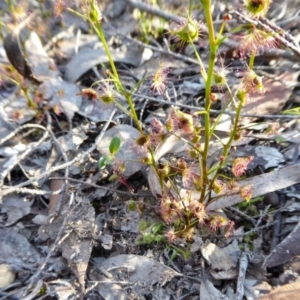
[(114, 145), (102, 162), (113, 177), (143, 225), (110, 160), (131, 205)]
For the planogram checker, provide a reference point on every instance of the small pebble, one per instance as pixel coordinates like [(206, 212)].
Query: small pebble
[(272, 199), (7, 277)]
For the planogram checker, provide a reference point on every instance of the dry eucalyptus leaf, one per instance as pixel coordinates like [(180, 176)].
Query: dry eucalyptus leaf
[(89, 57), (221, 263), (233, 251), (141, 275), (216, 257), (265, 157), (18, 103), (106, 241), (277, 93), (98, 111), (16, 208), (40, 219), (55, 185), (12, 46), (130, 220), (284, 292), (173, 145), (13, 150), (63, 94), (42, 65), (285, 250), (77, 246), (70, 143), (63, 289), (15, 248), (261, 185), (62, 44), (209, 292), (255, 288), (291, 206)]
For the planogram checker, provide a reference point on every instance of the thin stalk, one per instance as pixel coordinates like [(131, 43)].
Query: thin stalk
[(118, 84), (30, 102), (98, 29), (207, 125), (251, 60), (202, 68), (227, 147)]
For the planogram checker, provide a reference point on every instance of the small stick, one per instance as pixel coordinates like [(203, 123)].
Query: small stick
[(242, 274)]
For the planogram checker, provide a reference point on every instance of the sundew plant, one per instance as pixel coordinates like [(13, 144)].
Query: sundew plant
[(182, 207)]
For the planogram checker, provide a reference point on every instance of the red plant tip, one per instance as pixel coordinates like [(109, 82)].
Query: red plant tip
[(257, 8), (252, 83), (187, 31), (157, 127), (17, 115), (118, 167), (57, 109), (198, 210), (179, 122), (232, 187), (59, 7), (272, 129), (227, 17), (160, 80), (171, 235), (228, 229), (143, 140), (89, 93), (240, 165), (190, 177), (246, 192), (213, 97), (216, 222), (255, 40), (170, 209), (188, 233), (181, 163)]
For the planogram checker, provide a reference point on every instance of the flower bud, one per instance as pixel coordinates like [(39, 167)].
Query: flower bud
[(257, 8)]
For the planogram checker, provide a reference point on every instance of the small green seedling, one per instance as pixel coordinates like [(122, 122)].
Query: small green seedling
[(114, 147)]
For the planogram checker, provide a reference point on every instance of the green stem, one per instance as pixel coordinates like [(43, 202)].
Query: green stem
[(207, 125), (202, 68), (251, 60), (118, 84), (98, 29), (227, 147)]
